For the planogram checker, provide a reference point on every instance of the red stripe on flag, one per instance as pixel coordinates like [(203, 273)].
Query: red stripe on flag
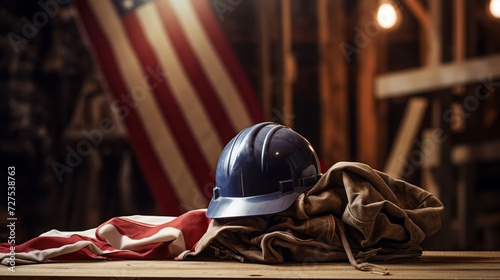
[(226, 55), (195, 72), (159, 183), (171, 112)]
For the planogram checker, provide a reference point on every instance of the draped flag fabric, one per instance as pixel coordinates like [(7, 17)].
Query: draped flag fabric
[(176, 86), (132, 237)]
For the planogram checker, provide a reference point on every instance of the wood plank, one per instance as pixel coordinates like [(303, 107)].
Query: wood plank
[(407, 82), (432, 265)]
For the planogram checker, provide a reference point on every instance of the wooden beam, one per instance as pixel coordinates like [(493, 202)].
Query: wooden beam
[(407, 82), (332, 82), (367, 127), (405, 138)]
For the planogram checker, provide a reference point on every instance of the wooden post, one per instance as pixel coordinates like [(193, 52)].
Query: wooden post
[(262, 10), (287, 62), (458, 125), (332, 82), (367, 128)]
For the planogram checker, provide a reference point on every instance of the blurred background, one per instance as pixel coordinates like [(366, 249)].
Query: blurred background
[(409, 87)]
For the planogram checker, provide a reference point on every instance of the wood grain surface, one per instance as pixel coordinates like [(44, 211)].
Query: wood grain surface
[(432, 265)]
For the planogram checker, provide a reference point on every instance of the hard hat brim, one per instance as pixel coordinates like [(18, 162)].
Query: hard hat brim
[(231, 207)]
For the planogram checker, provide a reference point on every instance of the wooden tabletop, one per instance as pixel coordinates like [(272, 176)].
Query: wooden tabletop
[(432, 265)]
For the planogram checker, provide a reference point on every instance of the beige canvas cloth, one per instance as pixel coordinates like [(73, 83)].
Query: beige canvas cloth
[(353, 213)]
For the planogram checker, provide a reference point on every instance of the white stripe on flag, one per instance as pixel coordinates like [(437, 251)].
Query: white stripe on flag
[(116, 239), (212, 66), (147, 220), (157, 130), (193, 110), (36, 256), (89, 233)]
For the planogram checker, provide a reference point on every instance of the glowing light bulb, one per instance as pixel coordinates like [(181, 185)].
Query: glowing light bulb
[(494, 8), (387, 16)]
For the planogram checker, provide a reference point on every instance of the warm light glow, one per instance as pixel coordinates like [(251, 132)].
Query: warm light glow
[(495, 8), (387, 16)]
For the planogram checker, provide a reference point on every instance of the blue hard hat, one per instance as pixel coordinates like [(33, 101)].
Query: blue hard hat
[(262, 170)]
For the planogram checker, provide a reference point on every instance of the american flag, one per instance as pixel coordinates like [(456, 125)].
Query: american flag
[(176, 85), (130, 237)]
